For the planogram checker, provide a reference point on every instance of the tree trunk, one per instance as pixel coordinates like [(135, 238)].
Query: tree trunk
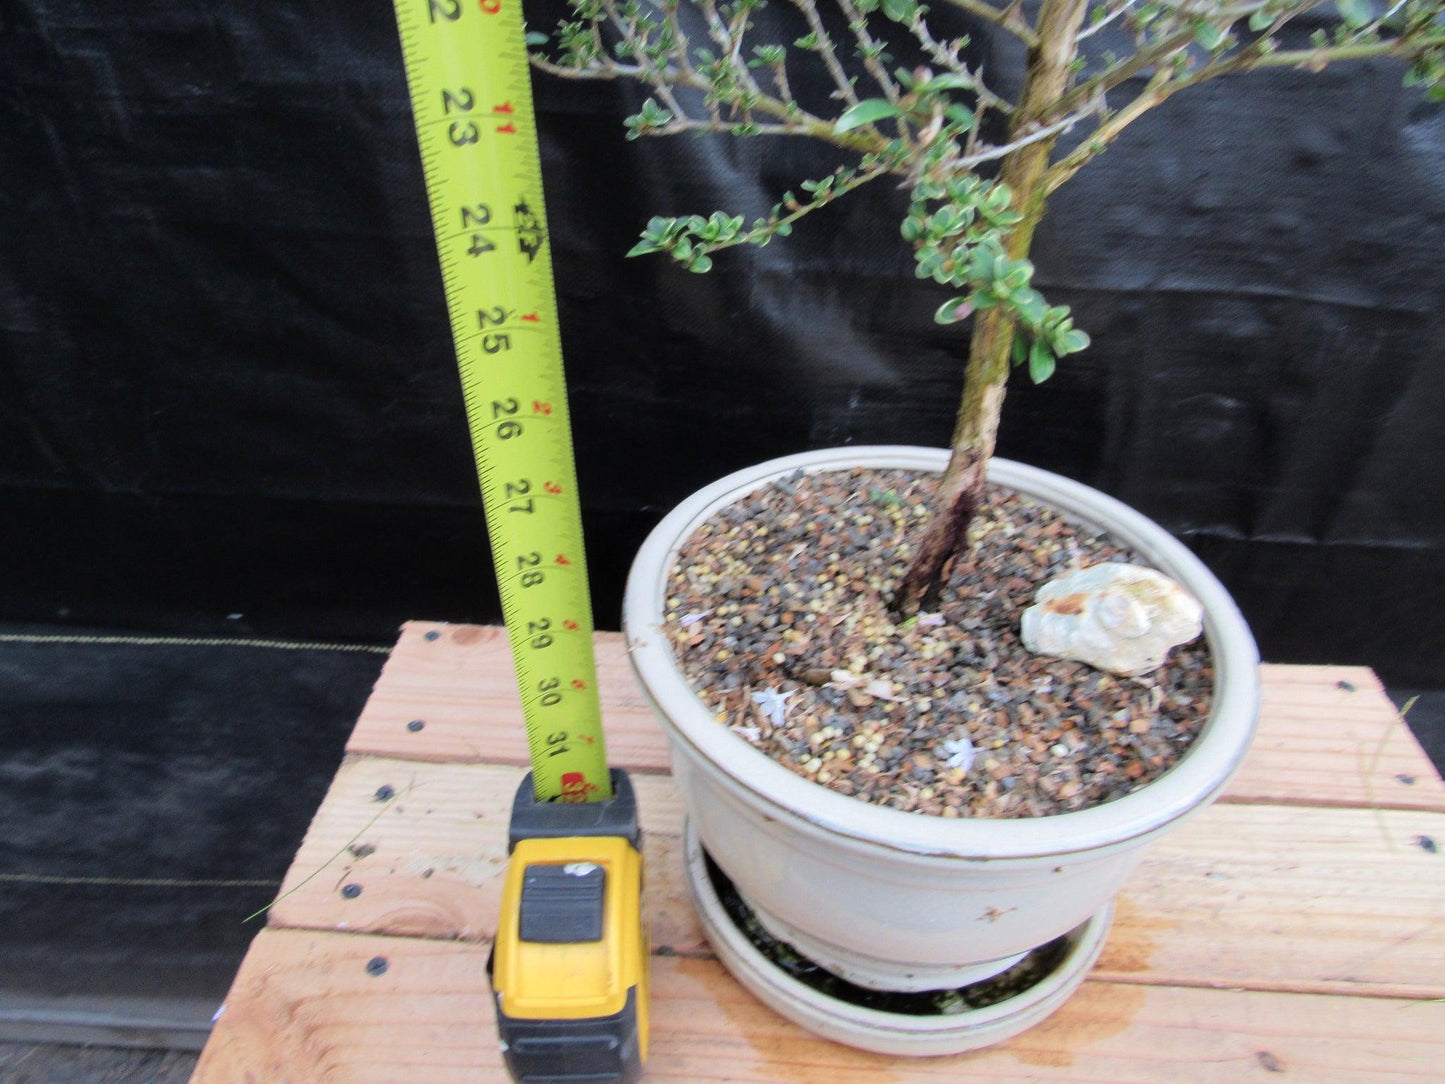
[(960, 491)]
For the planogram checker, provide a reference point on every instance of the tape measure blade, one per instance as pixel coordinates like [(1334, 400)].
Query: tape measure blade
[(470, 88)]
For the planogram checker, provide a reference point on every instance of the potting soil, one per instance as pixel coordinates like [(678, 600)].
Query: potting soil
[(777, 611)]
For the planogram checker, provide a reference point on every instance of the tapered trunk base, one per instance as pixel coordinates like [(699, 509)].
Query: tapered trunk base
[(944, 539)]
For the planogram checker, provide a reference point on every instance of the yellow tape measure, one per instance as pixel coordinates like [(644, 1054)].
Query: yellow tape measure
[(466, 64)]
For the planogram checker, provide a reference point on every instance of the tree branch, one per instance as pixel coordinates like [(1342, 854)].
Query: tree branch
[(1004, 18), (1156, 91), (826, 53), (1314, 59), (867, 49)]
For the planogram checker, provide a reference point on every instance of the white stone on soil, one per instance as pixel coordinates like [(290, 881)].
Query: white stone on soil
[(1116, 617)]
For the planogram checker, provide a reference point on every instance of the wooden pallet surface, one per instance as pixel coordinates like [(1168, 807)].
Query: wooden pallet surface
[(1295, 926), (310, 1006), (1263, 897)]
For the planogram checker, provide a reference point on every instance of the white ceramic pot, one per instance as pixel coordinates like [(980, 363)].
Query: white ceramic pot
[(904, 901), (877, 1030)]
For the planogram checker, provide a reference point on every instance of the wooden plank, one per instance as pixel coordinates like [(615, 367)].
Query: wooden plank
[(305, 1007), (459, 682), (1288, 898), (431, 864), (1328, 735), (1264, 897)]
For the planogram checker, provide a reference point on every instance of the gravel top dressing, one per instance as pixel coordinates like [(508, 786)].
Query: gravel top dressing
[(777, 614)]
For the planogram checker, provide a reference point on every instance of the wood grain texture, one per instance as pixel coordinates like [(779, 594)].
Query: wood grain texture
[(431, 862), (1261, 897), (304, 1009), (459, 681), (1327, 735), (1288, 898)]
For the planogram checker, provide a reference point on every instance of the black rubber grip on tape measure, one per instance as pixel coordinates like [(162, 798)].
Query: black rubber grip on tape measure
[(562, 904), (617, 816), (597, 1050)]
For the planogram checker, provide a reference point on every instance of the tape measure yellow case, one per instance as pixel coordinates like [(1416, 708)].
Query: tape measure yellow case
[(570, 961)]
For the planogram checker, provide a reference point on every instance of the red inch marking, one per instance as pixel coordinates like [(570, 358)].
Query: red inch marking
[(507, 129), (505, 107), (490, 7), (540, 407), (530, 318), (552, 488), (562, 560), (584, 737), (570, 626), (575, 787), (578, 683)]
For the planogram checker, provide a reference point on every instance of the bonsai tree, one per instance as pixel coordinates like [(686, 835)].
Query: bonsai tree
[(979, 169)]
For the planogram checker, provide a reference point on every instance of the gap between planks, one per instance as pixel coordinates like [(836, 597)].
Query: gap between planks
[(1253, 896), (1328, 736), (305, 1006)]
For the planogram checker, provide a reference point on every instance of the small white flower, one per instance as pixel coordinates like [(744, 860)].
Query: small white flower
[(688, 620), (882, 689), (929, 621), (752, 733), (774, 704), (960, 752)]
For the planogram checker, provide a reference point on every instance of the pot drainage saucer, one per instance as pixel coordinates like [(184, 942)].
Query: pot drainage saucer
[(926, 1023)]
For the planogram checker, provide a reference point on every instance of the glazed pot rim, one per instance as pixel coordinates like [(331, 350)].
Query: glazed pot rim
[(1194, 781)]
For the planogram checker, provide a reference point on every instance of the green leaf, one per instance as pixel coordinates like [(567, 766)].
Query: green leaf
[(1030, 305), (700, 265), (642, 248), (950, 81), (865, 112), (1261, 19), (1209, 36), (961, 115), (1019, 350), (534, 38), (900, 11), (1355, 13), (982, 264), (1072, 341), (953, 310), (1041, 362)]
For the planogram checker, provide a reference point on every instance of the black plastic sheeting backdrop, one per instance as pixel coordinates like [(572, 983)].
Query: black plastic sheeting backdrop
[(226, 385)]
